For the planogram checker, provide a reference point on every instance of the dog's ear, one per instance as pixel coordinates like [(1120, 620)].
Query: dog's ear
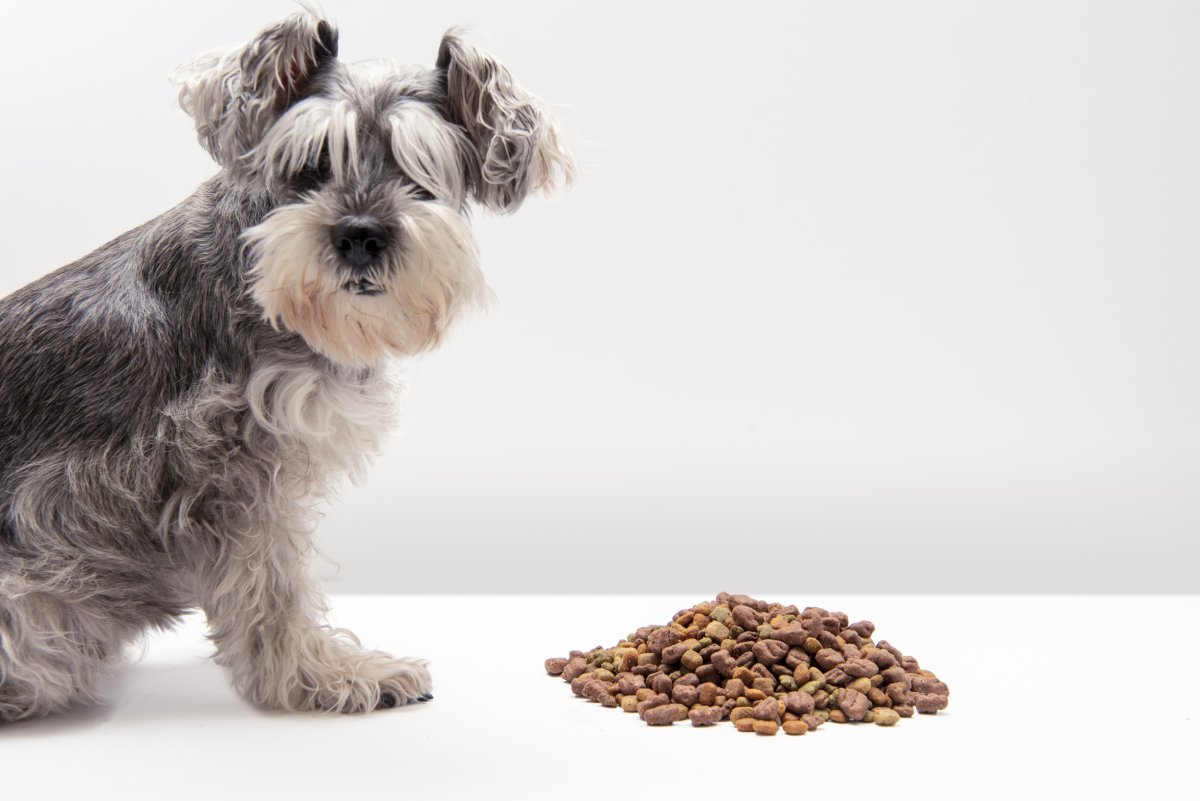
[(237, 94), (516, 145)]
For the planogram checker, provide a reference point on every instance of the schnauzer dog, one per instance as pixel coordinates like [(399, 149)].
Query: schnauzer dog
[(175, 406)]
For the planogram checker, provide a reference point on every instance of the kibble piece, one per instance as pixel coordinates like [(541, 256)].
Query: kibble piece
[(744, 724), (767, 709), (650, 703), (663, 715), (672, 653), (765, 727), (853, 703), (629, 703), (724, 662), (813, 721), (661, 638), (555, 666), (928, 703), (800, 703), (741, 712), (575, 667), (684, 694), (795, 727), (691, 660), (705, 715), (745, 617), (827, 658), (878, 697), (885, 716)]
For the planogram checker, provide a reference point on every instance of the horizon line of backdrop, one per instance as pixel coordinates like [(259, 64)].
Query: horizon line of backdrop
[(848, 297)]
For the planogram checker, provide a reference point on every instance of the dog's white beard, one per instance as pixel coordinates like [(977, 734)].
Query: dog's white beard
[(433, 280)]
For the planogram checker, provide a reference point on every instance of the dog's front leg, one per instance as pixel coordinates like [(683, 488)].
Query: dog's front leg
[(266, 617)]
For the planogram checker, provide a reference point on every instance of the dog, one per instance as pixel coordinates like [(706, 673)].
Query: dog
[(175, 406)]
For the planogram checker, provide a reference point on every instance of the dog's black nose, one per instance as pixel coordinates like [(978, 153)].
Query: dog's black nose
[(359, 244)]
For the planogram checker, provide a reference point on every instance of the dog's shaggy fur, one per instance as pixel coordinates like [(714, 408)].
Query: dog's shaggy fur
[(175, 405)]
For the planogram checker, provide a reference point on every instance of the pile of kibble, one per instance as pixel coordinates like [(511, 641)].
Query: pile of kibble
[(762, 665)]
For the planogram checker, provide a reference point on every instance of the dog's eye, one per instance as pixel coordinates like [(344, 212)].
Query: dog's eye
[(421, 193), (314, 174)]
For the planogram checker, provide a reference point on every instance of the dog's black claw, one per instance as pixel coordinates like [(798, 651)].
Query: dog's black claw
[(387, 701)]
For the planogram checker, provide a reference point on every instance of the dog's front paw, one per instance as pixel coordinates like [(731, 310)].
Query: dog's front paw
[(408, 683)]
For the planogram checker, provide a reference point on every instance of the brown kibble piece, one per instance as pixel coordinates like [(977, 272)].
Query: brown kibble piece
[(928, 703), (767, 709), (575, 667), (853, 703), (555, 666), (663, 715), (827, 658), (768, 652), (684, 694), (744, 724), (705, 715)]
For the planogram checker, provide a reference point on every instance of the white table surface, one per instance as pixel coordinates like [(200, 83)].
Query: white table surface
[(1064, 696)]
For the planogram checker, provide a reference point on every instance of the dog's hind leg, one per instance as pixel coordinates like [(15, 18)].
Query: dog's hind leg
[(51, 656)]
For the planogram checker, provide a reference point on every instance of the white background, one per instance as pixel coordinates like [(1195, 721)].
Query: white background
[(900, 295)]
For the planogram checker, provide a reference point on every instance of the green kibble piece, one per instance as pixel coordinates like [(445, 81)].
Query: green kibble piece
[(716, 631), (810, 688), (787, 682), (823, 714), (704, 642), (604, 674), (883, 716), (720, 613), (735, 631), (765, 631), (869, 717)]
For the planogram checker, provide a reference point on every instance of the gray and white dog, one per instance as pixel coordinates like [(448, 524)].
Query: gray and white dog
[(174, 406)]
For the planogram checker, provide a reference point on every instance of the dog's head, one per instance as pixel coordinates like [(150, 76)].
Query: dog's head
[(367, 253)]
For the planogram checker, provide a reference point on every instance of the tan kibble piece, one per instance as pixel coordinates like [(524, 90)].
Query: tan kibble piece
[(744, 724), (765, 727), (629, 703), (741, 712), (794, 727)]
